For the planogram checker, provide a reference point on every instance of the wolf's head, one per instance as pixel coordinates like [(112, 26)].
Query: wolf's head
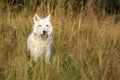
[(42, 26)]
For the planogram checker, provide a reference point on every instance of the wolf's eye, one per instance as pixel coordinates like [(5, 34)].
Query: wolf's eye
[(39, 25), (46, 25)]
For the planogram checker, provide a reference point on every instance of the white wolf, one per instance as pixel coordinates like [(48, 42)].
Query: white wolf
[(39, 42)]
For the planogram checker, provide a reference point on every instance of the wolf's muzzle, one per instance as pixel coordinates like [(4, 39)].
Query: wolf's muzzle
[(44, 32), (44, 35)]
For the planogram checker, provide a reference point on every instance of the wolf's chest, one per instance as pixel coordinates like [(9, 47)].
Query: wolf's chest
[(39, 45)]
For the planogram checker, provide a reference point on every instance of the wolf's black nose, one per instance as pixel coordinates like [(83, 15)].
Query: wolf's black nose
[(44, 32)]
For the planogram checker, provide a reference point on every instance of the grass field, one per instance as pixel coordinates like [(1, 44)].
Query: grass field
[(85, 46)]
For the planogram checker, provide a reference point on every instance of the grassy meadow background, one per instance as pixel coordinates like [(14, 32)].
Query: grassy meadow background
[(86, 40)]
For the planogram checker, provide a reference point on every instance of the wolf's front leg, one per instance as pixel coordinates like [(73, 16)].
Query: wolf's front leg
[(35, 59), (48, 56)]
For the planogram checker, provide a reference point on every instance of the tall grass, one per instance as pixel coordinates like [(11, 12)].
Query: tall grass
[(85, 46)]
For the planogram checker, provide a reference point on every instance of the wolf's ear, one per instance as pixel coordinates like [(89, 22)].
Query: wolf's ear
[(48, 17), (36, 18)]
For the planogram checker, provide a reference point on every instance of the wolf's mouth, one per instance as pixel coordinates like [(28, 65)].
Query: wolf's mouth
[(44, 36)]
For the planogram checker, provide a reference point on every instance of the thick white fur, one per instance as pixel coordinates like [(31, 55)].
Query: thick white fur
[(38, 46)]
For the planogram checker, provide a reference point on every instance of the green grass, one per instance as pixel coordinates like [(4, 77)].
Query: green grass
[(84, 46)]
